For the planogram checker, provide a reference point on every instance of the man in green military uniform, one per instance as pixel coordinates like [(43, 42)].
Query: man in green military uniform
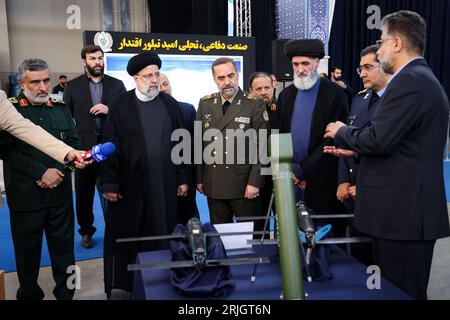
[(230, 173), (261, 85), (38, 189)]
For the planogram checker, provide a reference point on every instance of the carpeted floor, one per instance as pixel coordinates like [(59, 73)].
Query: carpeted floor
[(7, 260)]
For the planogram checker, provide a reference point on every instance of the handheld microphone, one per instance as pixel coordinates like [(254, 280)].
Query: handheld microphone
[(306, 224), (99, 153)]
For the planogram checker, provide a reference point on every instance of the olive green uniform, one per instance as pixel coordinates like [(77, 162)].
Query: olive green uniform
[(225, 183), (34, 210)]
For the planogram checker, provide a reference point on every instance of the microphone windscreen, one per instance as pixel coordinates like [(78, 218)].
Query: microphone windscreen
[(107, 148)]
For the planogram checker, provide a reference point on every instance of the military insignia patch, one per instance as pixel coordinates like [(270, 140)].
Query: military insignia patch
[(207, 117), (206, 97), (242, 120), (23, 103), (265, 115), (13, 100), (53, 100)]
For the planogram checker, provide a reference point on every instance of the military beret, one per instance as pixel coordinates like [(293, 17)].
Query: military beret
[(142, 60), (305, 47)]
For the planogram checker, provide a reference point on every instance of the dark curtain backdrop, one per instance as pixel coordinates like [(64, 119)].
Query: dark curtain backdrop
[(189, 16), (349, 34), (211, 17), (263, 29)]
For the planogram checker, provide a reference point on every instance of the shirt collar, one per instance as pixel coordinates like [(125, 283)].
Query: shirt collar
[(231, 99), (402, 67), (381, 92), (143, 97), (89, 76)]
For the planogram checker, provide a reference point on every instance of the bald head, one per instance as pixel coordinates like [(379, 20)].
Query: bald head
[(164, 84)]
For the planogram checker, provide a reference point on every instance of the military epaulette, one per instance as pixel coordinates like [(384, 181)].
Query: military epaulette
[(209, 96), (362, 91), (13, 100), (250, 96), (57, 101)]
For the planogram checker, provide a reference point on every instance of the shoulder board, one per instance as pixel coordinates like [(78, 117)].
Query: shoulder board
[(250, 96), (13, 100), (209, 96), (57, 101), (362, 91)]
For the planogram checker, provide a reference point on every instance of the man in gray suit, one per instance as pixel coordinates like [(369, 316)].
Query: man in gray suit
[(232, 186)]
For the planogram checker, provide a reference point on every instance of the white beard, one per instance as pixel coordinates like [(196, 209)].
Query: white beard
[(36, 100), (306, 82)]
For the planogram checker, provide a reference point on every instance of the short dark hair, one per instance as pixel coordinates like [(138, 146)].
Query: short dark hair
[(370, 49), (223, 60), (90, 48), (62, 76), (335, 68), (409, 25), (32, 64), (259, 74)]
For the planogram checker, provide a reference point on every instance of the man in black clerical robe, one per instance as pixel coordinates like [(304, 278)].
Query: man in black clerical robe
[(306, 106), (140, 180)]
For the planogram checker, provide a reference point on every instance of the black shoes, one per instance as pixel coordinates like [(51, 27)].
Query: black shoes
[(86, 241)]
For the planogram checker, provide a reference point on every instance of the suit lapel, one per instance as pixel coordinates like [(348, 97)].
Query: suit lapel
[(233, 110), (105, 89), (85, 91)]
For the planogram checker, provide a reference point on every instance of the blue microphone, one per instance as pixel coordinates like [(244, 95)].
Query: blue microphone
[(99, 153)]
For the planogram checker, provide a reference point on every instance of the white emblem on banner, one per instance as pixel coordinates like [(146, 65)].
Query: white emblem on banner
[(104, 40)]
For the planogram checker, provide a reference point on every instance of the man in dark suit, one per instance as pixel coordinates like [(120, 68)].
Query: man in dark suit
[(363, 107), (231, 177), (186, 206), (336, 77), (306, 108), (88, 97), (401, 198), (59, 88)]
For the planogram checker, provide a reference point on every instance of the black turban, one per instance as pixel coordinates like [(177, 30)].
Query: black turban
[(142, 60), (305, 47)]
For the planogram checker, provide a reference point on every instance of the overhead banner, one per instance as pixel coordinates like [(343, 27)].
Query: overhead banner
[(186, 59)]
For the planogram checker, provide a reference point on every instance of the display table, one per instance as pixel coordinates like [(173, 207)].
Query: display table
[(348, 283)]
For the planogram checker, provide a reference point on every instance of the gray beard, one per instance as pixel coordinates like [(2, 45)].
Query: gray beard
[(228, 94), (36, 100), (387, 67), (150, 92), (306, 83)]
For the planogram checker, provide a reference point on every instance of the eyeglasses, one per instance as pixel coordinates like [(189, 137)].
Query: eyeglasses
[(150, 76), (366, 67), (380, 42)]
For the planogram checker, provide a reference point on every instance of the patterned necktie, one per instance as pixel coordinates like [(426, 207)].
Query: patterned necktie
[(225, 106)]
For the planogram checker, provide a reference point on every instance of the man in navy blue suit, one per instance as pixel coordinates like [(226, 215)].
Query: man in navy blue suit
[(362, 109), (186, 206), (401, 199)]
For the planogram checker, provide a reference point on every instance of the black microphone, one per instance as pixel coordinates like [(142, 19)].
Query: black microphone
[(99, 153)]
